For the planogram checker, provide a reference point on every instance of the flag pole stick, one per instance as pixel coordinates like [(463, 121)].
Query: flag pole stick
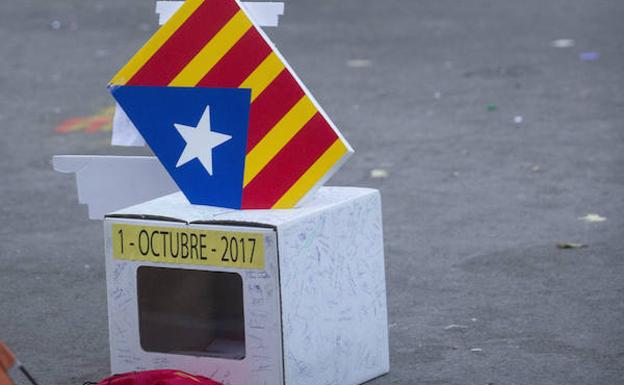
[(30, 378)]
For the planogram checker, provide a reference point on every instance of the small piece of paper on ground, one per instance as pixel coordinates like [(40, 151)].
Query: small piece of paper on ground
[(593, 218)]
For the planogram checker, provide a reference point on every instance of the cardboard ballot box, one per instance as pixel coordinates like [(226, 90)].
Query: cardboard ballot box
[(254, 297)]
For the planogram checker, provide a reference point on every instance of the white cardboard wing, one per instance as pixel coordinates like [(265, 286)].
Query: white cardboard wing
[(265, 14), (109, 183)]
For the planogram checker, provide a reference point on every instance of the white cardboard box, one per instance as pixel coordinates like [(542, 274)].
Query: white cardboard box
[(309, 309)]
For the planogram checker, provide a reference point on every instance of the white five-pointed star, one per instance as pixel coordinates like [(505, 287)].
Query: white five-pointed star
[(200, 141)]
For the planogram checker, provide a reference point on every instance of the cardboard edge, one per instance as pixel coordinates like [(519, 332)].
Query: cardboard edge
[(234, 223), (160, 218), (218, 219), (69, 164)]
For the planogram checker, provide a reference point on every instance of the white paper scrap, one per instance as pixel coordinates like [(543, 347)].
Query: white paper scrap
[(562, 43), (124, 132)]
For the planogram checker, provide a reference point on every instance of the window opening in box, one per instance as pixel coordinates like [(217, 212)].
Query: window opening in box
[(191, 312)]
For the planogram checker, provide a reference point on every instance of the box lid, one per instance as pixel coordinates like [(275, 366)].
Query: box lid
[(175, 207)]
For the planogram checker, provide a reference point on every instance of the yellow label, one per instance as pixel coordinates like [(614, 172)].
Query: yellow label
[(188, 246)]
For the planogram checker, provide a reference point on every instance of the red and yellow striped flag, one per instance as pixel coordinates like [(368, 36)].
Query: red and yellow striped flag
[(292, 146)]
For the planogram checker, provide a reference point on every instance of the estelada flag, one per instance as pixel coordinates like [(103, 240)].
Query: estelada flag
[(290, 146)]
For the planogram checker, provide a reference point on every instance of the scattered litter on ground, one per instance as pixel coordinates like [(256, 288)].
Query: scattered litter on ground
[(359, 63), (473, 319), (56, 25), (567, 245), (536, 168), (491, 107), (437, 95), (589, 56), (101, 53), (87, 267), (378, 173), (593, 218), (518, 119), (476, 350), (562, 43), (456, 327), (102, 121)]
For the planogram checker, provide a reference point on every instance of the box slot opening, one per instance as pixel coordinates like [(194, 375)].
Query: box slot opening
[(191, 312)]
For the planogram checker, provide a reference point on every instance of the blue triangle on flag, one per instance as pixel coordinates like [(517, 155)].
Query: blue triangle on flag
[(198, 134)]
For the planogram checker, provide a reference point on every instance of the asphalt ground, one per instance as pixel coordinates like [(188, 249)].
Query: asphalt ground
[(474, 203)]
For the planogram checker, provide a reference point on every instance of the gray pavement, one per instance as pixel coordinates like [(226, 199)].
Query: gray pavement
[(474, 203)]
